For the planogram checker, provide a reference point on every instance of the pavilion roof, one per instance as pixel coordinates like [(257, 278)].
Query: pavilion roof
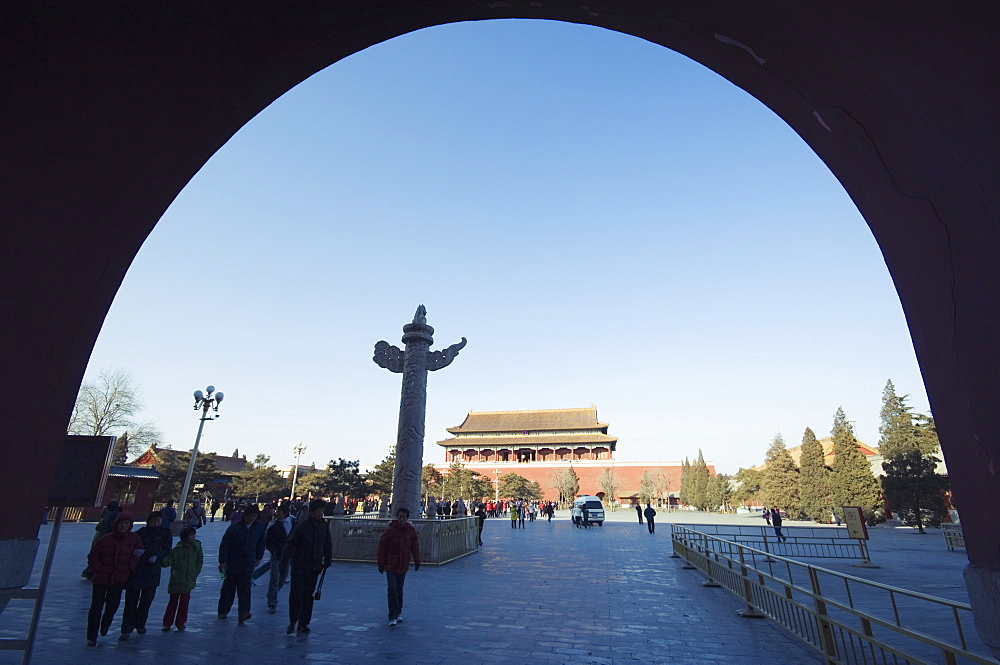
[(541, 440), (516, 421)]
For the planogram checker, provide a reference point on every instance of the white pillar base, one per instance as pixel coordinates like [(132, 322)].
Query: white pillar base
[(16, 560), (983, 583)]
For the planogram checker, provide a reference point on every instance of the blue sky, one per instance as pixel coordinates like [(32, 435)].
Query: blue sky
[(606, 221)]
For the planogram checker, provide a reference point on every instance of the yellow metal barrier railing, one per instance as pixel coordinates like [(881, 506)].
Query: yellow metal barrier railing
[(849, 620)]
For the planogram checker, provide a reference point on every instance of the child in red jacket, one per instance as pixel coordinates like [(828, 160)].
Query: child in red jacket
[(111, 558)]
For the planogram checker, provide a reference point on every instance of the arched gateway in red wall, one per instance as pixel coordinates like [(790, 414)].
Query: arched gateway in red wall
[(110, 108)]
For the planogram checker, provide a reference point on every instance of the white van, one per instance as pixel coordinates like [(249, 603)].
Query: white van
[(595, 509)]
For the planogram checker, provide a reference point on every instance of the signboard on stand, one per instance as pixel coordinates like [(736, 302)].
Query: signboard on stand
[(854, 519)]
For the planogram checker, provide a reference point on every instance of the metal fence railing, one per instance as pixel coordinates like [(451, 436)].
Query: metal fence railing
[(356, 538), (953, 536), (798, 542), (847, 619)]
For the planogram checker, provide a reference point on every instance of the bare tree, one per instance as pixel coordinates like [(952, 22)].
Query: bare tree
[(609, 485), (109, 405)]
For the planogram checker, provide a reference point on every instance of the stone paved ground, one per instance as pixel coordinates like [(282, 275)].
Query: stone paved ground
[(549, 594)]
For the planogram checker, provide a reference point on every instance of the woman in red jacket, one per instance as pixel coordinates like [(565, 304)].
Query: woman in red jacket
[(112, 558), (398, 544)]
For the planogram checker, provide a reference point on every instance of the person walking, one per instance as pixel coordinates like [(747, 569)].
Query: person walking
[(398, 544), (185, 562), (240, 551), (513, 517), (274, 542), (145, 577), (649, 514), (638, 511), (480, 520), (194, 516), (585, 516), (309, 550), (776, 523), (767, 516), (521, 510), (102, 528), (215, 508), (227, 510), (111, 559), (168, 514)]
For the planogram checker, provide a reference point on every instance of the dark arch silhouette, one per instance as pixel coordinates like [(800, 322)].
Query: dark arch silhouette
[(111, 108)]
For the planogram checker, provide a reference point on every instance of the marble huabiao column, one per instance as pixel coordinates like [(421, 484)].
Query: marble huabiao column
[(413, 363)]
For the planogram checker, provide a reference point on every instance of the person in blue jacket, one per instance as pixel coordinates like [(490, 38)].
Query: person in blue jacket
[(240, 551)]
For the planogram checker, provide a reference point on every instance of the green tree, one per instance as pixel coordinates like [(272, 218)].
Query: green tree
[(313, 484), (748, 483), (380, 478), (699, 476), (926, 434), (896, 432), (174, 470), (609, 485), (462, 482), (566, 483), (720, 492), (779, 483), (685, 491), (260, 480), (814, 480), (344, 479), (913, 490), (514, 486), (430, 481), (851, 479)]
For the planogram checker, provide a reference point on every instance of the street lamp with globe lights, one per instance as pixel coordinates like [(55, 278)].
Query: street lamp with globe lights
[(204, 401)]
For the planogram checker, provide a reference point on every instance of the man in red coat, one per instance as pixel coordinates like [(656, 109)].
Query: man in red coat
[(398, 544), (111, 558)]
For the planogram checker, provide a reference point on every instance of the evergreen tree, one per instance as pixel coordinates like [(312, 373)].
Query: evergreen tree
[(814, 480), (699, 483), (463, 483), (720, 492), (925, 432), (119, 455), (173, 472), (779, 485), (260, 480), (913, 490), (748, 483), (345, 479), (430, 481), (380, 479), (897, 434), (515, 486), (851, 480), (685, 491)]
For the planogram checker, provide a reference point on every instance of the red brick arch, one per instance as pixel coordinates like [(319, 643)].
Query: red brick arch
[(111, 111)]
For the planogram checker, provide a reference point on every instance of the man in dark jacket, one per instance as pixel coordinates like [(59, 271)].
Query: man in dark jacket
[(145, 577), (240, 551), (650, 514), (309, 549), (398, 544)]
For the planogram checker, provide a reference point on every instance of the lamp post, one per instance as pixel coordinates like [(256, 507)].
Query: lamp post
[(298, 450), (496, 488), (203, 401)]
